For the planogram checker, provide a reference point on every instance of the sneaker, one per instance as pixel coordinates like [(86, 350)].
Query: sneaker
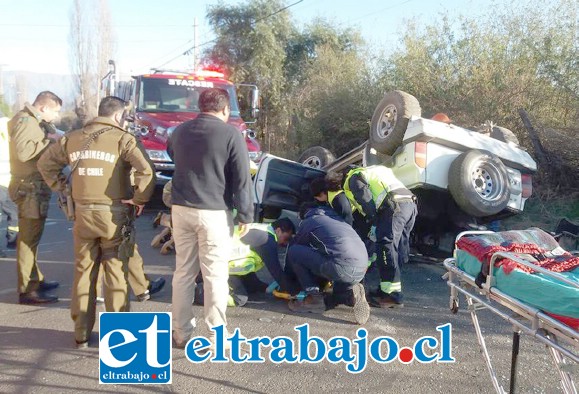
[(314, 303), (159, 239), (157, 219), (392, 300), (154, 287), (361, 309)]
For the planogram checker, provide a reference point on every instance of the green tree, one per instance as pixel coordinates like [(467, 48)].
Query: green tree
[(250, 44), (487, 67), (333, 104)]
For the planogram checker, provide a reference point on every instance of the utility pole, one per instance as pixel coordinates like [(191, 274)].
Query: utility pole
[(195, 60)]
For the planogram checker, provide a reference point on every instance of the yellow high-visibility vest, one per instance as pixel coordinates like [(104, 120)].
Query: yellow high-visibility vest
[(333, 194), (381, 181), (244, 260)]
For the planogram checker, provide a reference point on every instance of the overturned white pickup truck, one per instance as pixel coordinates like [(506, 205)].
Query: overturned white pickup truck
[(462, 178)]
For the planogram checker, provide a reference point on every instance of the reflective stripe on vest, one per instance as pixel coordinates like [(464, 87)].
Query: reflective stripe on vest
[(333, 194), (244, 260), (381, 180), (391, 287)]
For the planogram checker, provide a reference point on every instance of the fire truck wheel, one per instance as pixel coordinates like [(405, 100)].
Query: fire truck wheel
[(316, 157), (479, 183), (390, 120)]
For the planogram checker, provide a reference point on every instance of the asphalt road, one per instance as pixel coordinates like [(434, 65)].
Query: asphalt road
[(37, 353)]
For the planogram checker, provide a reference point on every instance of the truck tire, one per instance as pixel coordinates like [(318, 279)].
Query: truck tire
[(504, 135), (479, 183), (390, 120), (316, 157)]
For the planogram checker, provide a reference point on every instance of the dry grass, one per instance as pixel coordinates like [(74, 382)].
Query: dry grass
[(545, 209)]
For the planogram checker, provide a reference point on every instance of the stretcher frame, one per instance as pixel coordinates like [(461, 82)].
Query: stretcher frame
[(561, 341)]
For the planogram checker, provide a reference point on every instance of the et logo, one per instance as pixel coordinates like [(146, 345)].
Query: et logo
[(135, 347)]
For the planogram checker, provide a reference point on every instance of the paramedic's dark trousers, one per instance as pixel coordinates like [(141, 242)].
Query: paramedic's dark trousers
[(309, 266), (393, 227)]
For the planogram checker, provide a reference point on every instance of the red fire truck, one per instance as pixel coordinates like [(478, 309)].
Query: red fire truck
[(164, 99)]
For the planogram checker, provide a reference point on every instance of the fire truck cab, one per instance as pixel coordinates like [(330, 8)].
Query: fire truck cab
[(164, 99)]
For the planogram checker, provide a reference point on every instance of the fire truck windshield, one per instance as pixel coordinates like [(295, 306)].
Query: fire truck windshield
[(178, 95)]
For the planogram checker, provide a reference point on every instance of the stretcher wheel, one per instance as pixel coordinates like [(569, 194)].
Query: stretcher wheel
[(167, 247), (454, 306)]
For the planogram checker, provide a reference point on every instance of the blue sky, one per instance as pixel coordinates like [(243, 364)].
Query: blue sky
[(34, 33)]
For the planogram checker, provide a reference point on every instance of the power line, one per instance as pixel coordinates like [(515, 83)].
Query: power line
[(215, 39)]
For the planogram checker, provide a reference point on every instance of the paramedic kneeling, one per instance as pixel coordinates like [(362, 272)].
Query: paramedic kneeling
[(254, 266), (385, 202), (327, 247)]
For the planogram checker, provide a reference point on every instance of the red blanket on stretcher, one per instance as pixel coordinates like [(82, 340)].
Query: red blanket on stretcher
[(536, 245)]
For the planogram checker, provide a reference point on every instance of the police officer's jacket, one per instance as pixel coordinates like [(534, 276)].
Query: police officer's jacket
[(27, 142), (325, 231), (102, 175)]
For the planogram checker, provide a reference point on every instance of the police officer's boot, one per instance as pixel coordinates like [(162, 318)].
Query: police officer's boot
[(11, 238), (36, 297)]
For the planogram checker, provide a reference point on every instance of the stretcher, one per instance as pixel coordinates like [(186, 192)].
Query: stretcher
[(558, 333)]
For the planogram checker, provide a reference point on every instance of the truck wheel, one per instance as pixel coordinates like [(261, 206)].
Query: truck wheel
[(390, 120), (371, 156), (479, 183), (316, 157), (503, 134)]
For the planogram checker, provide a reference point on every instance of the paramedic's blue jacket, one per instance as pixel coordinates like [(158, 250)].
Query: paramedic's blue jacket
[(324, 230)]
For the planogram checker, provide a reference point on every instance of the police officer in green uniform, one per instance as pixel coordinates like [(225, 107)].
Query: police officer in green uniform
[(386, 203), (101, 156), (28, 139)]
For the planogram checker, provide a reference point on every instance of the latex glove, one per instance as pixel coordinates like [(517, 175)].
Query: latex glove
[(272, 286)]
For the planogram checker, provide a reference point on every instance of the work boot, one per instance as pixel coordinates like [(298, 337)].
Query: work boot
[(154, 287), (330, 301), (11, 238), (314, 303), (392, 300), (361, 309), (47, 285), (36, 297)]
